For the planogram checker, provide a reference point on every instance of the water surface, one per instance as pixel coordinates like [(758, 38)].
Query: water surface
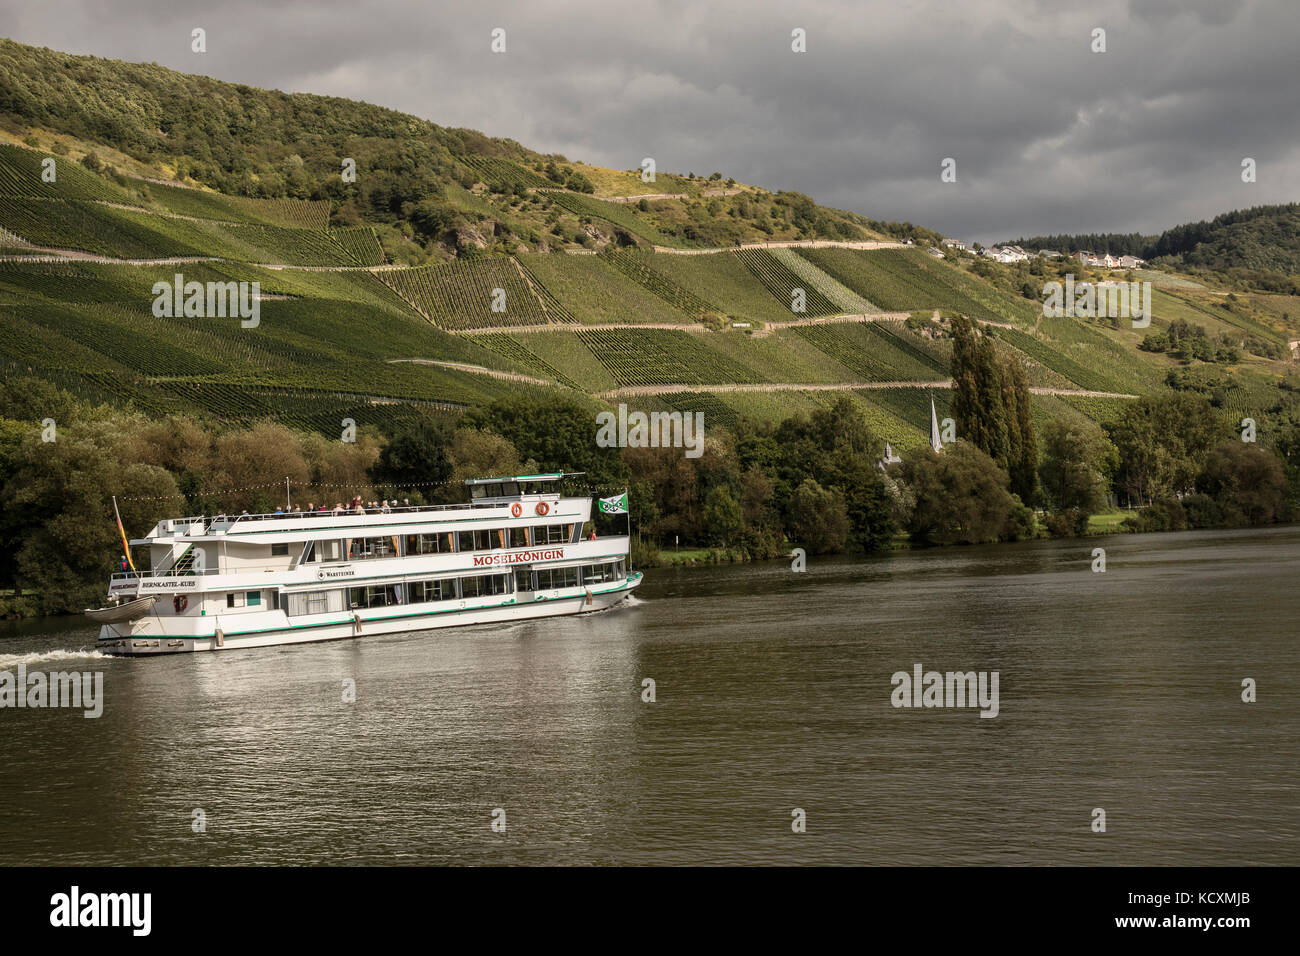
[(1119, 690)]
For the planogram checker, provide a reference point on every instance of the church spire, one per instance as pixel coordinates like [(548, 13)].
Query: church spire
[(934, 428)]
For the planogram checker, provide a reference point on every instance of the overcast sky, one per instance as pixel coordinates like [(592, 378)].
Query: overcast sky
[(1047, 135)]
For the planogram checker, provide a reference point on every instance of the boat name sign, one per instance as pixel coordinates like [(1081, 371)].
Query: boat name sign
[(162, 584), (487, 560)]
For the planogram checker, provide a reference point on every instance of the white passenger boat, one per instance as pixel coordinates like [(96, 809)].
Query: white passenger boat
[(515, 551)]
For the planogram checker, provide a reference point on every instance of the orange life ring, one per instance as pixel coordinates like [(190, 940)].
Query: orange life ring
[(516, 509), (543, 507), (180, 602)]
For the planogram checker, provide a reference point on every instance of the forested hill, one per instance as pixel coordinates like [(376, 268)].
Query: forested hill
[(1264, 238), (1260, 244), (432, 191)]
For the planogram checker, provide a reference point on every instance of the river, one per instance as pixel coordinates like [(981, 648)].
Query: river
[(1119, 690)]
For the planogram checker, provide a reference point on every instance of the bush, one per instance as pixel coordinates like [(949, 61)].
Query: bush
[(1070, 523), (1163, 514), (818, 518), (644, 553), (1202, 511)]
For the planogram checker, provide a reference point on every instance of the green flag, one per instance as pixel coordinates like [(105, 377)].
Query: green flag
[(614, 506)]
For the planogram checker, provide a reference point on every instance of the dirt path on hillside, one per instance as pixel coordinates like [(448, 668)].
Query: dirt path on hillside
[(49, 254), (578, 327), (694, 327), (829, 387), (786, 244), (53, 254), (476, 369)]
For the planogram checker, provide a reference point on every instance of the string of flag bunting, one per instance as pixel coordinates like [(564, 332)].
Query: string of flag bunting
[(584, 487)]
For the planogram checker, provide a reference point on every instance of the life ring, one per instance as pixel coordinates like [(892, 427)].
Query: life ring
[(516, 509), (543, 507), (180, 602)]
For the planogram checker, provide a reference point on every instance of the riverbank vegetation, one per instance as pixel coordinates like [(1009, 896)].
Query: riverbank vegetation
[(811, 480)]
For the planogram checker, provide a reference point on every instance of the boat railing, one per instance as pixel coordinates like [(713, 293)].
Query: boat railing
[(225, 523), (162, 573)]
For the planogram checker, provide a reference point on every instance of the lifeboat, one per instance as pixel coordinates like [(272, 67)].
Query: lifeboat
[(117, 613)]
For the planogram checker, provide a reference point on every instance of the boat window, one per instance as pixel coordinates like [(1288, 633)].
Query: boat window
[(361, 549), (315, 602), (480, 540), (484, 585), (327, 550), (235, 599), (374, 596), (550, 534), (524, 579), (510, 489), (557, 578), (254, 598), (439, 590), (279, 549), (477, 491), (428, 543), (518, 537)]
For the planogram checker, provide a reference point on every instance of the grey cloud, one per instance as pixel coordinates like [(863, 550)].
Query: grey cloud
[(1047, 135)]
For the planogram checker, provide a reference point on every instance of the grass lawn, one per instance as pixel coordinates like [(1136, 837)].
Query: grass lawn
[(1109, 523)]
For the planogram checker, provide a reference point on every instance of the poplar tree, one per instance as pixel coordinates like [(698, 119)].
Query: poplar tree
[(991, 405)]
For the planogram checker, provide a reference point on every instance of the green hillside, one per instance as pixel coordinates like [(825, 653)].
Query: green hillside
[(458, 269), (431, 191)]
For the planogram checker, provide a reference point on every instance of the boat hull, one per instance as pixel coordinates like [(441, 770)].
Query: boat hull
[(153, 638)]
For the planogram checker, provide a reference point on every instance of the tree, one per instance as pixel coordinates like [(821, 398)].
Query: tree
[(978, 406), (1022, 451), (961, 498), (59, 512), (1077, 460), (1246, 481), (415, 454), (723, 517), (818, 519), (477, 454), (1162, 442), (249, 467), (559, 434)]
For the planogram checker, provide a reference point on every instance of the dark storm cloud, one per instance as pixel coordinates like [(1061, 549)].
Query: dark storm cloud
[(1048, 136)]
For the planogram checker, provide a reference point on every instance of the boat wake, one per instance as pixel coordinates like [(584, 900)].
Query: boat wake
[(45, 657)]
